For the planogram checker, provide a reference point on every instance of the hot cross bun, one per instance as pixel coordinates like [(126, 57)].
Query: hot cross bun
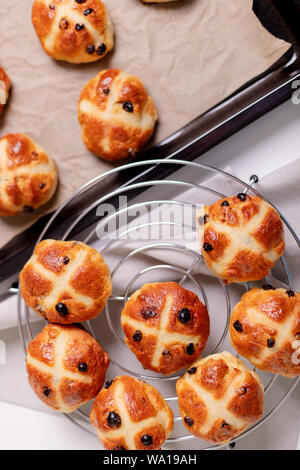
[(76, 31), (66, 366), (65, 282), (219, 397), (28, 175), (131, 415), (241, 237), (265, 328), (116, 114), (4, 89), (165, 326)]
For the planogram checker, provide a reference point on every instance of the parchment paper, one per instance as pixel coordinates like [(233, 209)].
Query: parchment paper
[(190, 54)]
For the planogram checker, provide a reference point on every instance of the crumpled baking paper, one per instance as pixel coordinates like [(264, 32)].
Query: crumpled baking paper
[(190, 54)]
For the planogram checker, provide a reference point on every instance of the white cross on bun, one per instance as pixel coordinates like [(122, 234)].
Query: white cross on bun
[(219, 397), (165, 326), (131, 415), (65, 282), (116, 114), (28, 175), (265, 328), (241, 238), (66, 366), (76, 31)]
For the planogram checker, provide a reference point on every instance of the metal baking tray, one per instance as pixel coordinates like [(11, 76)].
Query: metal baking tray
[(251, 101)]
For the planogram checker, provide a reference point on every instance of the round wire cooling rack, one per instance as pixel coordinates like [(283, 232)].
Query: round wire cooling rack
[(135, 260)]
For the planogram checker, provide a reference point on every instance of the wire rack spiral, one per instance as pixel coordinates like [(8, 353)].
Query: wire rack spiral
[(140, 262)]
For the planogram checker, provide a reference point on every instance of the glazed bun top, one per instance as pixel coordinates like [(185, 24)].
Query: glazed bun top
[(241, 237), (116, 114), (219, 397), (76, 31), (131, 415), (65, 282), (265, 328), (165, 326), (28, 175), (66, 366)]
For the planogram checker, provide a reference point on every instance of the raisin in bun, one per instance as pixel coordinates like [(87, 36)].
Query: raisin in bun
[(4, 89), (265, 329), (28, 175), (116, 114), (165, 326), (131, 415), (65, 282), (76, 31), (242, 237), (219, 397), (66, 366)]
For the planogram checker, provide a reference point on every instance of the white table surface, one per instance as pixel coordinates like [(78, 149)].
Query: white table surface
[(262, 147)]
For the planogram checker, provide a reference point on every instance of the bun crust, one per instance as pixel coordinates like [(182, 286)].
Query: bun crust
[(116, 114), (66, 366), (4, 89), (242, 238), (153, 331), (265, 328), (219, 398), (143, 422), (73, 31), (28, 175), (65, 282)]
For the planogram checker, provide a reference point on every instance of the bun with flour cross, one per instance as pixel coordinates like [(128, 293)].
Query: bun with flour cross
[(65, 282), (116, 114), (241, 238), (165, 326), (131, 415), (66, 366), (219, 397), (28, 175), (265, 328), (76, 31)]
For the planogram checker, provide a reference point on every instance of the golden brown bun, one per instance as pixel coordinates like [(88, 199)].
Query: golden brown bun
[(116, 114), (66, 366), (28, 175), (219, 397), (131, 415), (65, 282), (153, 331), (243, 237), (72, 30), (265, 328), (4, 89)]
